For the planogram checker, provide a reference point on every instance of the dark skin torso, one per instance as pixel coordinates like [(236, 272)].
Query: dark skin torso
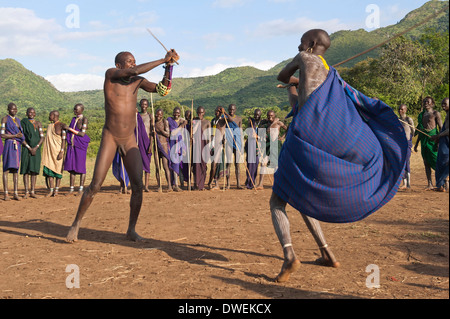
[(120, 103), (162, 129), (205, 124)]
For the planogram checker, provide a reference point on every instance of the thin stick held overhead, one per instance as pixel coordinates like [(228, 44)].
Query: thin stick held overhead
[(159, 42)]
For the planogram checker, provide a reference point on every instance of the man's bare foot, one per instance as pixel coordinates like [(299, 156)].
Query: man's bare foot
[(133, 236), (327, 258), (16, 196), (177, 189), (6, 198), (440, 189), (33, 195), (72, 236), (287, 269), (25, 196)]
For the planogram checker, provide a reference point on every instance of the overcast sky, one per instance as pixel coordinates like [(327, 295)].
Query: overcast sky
[(72, 43)]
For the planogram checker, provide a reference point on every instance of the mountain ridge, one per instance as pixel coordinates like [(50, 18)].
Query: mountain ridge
[(245, 86)]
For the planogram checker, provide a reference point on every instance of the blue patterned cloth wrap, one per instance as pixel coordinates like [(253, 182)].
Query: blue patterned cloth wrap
[(344, 154)]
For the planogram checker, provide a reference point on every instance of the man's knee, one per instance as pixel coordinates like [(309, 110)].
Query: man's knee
[(276, 202), (137, 186), (93, 188)]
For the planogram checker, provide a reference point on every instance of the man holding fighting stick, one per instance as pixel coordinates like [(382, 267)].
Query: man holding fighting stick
[(121, 89)]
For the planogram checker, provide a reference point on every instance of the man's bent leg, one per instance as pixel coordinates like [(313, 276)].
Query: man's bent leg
[(282, 229), (328, 258), (103, 162)]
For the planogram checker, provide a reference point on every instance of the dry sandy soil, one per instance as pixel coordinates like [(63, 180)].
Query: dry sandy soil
[(220, 245)]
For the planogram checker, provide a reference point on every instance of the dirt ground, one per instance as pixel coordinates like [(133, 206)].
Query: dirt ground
[(220, 245)]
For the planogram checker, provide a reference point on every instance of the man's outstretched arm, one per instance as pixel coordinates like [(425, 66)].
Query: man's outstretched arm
[(117, 73)]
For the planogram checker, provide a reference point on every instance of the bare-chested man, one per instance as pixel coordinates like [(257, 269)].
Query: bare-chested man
[(146, 118), (217, 134), (313, 72), (234, 124), (273, 145), (224, 146), (162, 137), (199, 142), (252, 149), (408, 126), (430, 122), (121, 89)]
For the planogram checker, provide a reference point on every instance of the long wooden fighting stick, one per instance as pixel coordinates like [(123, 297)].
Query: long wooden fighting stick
[(415, 128), (190, 149), (156, 144), (159, 42), (248, 172), (430, 17), (224, 165)]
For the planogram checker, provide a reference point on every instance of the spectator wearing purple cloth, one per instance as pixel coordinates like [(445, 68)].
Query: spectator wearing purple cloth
[(11, 132), (77, 146), (176, 146)]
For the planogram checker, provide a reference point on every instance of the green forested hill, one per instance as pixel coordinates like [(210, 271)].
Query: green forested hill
[(346, 44), (26, 89), (249, 87), (245, 86)]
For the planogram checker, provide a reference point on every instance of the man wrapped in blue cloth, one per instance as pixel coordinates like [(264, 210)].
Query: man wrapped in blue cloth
[(344, 153)]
